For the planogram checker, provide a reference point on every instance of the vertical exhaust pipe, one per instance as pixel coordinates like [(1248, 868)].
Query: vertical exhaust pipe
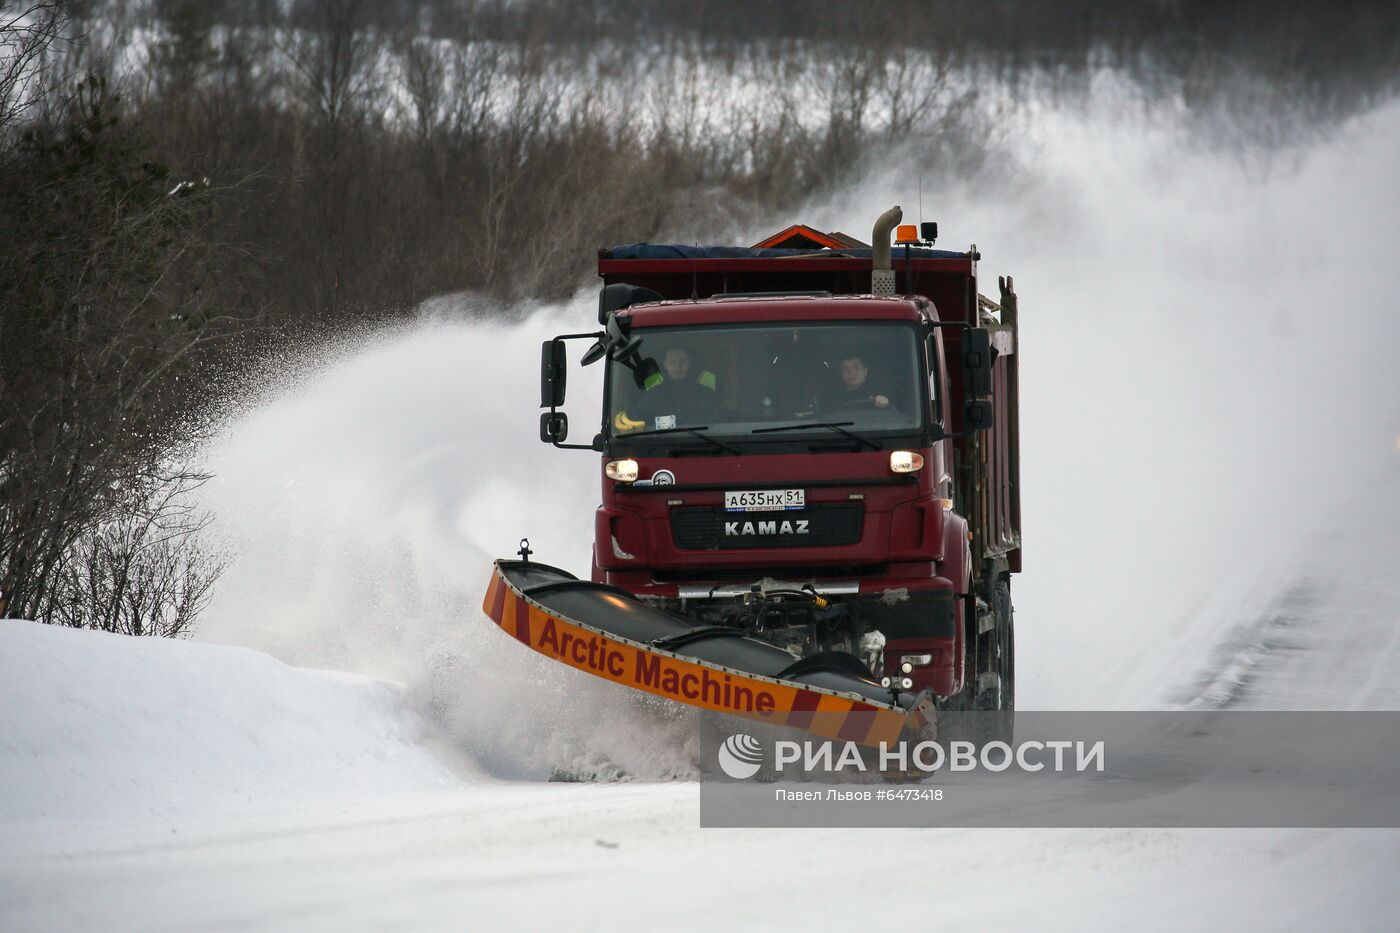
[(881, 271)]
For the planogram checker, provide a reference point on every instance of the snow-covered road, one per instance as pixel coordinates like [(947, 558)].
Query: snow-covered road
[(631, 857), (1331, 640), (186, 786)]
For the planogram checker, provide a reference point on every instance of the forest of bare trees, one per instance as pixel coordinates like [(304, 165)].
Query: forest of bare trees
[(105, 325), (186, 185)]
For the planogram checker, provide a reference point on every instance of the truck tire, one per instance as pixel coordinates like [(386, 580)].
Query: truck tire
[(984, 710), (994, 696), (1005, 643)]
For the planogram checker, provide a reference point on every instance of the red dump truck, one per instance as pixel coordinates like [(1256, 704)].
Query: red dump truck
[(809, 483)]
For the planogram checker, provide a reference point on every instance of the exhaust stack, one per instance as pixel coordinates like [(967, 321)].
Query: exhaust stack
[(882, 273)]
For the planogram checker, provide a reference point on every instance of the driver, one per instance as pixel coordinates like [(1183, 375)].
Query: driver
[(856, 385), (678, 394)]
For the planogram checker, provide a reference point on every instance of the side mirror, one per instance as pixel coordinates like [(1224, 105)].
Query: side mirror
[(554, 424), (977, 360), (554, 427), (553, 372), (978, 415)]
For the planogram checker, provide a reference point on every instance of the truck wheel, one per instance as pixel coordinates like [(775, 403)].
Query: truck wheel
[(995, 695), (984, 710), (1006, 626)]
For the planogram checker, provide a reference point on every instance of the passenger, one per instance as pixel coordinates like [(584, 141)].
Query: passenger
[(857, 389)]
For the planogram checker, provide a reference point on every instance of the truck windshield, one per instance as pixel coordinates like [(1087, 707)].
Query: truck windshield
[(734, 379)]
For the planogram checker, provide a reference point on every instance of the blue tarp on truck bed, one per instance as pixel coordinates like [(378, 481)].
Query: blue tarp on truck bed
[(681, 251)]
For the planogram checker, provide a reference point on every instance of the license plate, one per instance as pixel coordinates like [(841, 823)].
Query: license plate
[(764, 500)]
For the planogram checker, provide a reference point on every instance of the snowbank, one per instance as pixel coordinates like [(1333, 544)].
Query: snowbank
[(96, 725)]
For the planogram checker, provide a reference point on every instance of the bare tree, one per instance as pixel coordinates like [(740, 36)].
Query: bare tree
[(28, 33), (145, 570), (103, 328), (333, 57), (333, 54)]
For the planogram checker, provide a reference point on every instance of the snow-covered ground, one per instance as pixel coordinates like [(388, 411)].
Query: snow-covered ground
[(100, 726), (167, 786), (1210, 423)]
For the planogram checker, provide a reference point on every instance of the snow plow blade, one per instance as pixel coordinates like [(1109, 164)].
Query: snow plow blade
[(609, 633)]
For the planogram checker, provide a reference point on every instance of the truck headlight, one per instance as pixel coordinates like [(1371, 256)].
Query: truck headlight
[(906, 461), (624, 471)]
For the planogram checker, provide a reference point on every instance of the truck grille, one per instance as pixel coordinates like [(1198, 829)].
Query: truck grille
[(815, 526)]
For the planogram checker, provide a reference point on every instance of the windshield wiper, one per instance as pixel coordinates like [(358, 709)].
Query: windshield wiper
[(695, 431), (838, 426)]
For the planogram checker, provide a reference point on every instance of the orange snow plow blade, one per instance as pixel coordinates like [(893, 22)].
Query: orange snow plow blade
[(607, 632)]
